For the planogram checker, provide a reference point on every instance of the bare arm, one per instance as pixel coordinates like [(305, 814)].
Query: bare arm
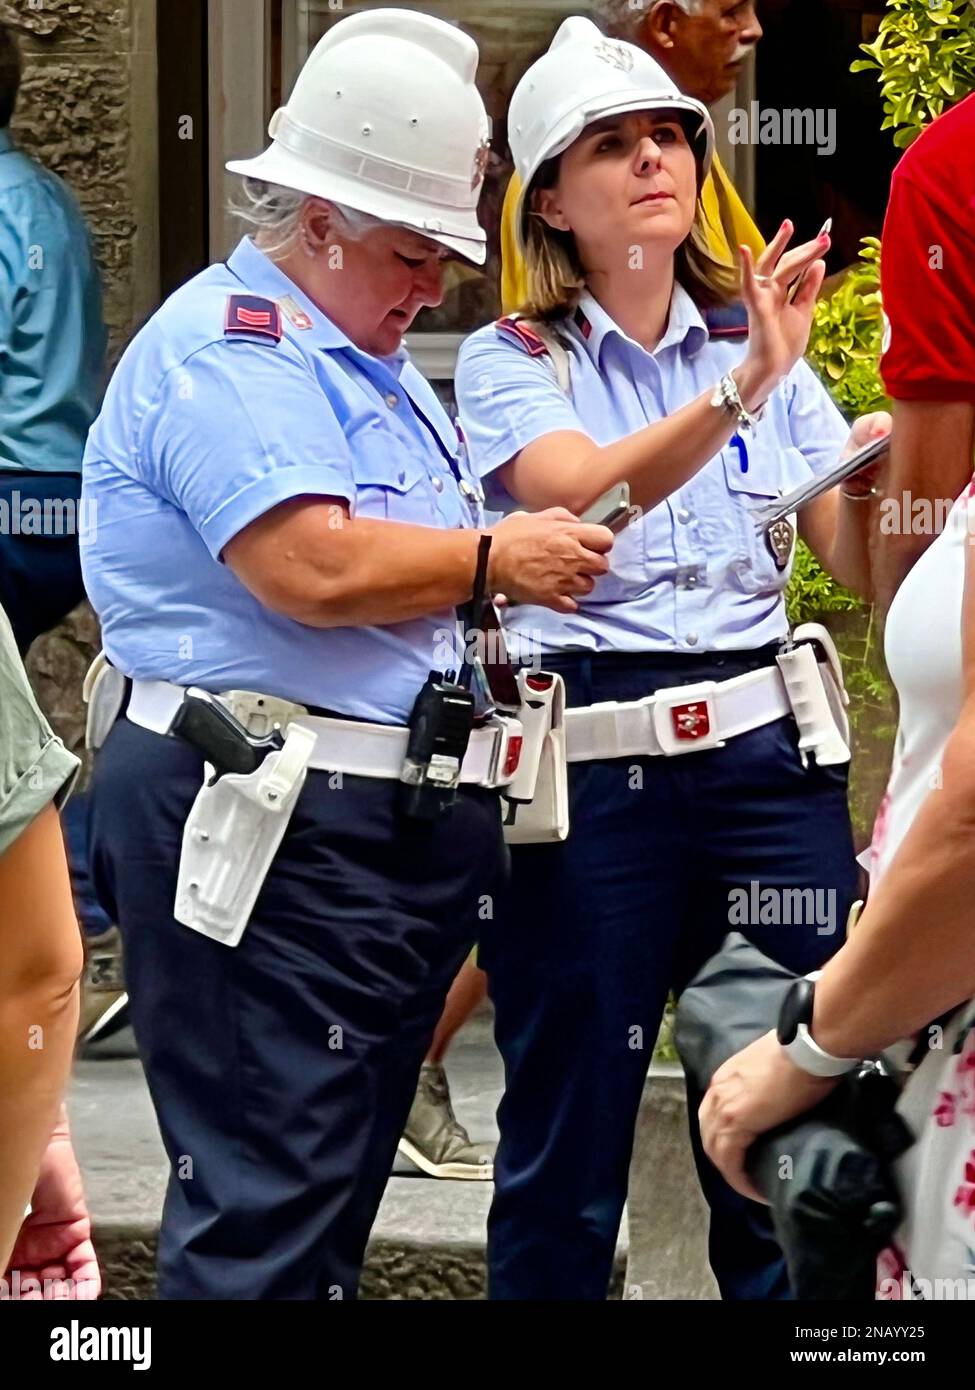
[(912, 955), (308, 559), (41, 960), (930, 458), (311, 561), (839, 529), (910, 959), (568, 469)]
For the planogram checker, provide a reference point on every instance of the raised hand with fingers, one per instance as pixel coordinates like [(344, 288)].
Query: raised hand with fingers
[(778, 323)]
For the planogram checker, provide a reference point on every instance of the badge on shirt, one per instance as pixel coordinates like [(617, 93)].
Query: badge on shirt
[(781, 536), (249, 314), (294, 313)]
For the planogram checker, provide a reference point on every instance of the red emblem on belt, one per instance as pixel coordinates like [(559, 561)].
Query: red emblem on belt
[(691, 721), (514, 755)]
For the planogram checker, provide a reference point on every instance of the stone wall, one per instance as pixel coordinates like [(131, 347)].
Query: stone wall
[(88, 110)]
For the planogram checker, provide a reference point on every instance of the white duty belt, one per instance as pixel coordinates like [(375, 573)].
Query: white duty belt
[(342, 745), (682, 719)]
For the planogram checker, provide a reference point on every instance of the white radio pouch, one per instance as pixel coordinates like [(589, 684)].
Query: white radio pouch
[(232, 835), (537, 800), (817, 695)]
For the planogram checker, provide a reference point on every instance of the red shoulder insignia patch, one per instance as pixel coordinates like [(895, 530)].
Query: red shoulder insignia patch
[(249, 314), (519, 332)]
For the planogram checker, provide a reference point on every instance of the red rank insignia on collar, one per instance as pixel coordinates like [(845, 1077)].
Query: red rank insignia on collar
[(250, 314)]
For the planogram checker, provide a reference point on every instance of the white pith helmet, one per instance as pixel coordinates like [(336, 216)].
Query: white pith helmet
[(385, 117), (583, 77)]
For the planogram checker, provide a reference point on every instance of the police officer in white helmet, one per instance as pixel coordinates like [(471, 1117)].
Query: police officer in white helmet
[(299, 821), (704, 747)]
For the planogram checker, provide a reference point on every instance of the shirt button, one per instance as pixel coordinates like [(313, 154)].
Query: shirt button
[(691, 639), (683, 516), (391, 399), (438, 484)]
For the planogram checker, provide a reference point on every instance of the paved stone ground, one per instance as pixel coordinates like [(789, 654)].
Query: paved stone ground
[(428, 1241)]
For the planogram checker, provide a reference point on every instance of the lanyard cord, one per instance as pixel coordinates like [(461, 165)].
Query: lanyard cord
[(454, 465)]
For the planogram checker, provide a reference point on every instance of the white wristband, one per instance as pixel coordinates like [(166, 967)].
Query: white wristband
[(809, 1057)]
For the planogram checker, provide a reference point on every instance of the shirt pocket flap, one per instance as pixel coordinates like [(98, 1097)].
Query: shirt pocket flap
[(379, 459), (751, 469)]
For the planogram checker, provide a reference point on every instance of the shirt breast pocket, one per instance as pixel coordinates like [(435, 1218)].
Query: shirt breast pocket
[(771, 472), (391, 485)]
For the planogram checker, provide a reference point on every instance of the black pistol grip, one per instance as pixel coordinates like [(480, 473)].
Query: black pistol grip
[(214, 732)]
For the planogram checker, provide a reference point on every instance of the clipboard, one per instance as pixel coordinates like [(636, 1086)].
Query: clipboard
[(770, 512)]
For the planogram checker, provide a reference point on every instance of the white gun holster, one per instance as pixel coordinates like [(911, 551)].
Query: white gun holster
[(231, 837)]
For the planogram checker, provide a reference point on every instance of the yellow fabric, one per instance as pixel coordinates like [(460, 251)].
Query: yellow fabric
[(514, 287)]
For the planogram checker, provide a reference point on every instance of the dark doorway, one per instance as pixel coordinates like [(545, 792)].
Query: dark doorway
[(184, 211), (804, 64)]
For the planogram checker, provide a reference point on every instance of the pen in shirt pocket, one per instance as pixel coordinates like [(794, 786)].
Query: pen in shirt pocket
[(738, 443)]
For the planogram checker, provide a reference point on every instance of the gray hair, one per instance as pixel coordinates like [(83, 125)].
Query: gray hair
[(273, 213), (622, 18)]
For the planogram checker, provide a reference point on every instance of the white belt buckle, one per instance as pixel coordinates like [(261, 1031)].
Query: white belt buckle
[(685, 718)]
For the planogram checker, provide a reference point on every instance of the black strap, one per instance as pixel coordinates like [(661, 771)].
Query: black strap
[(483, 627), (472, 612), (452, 461)]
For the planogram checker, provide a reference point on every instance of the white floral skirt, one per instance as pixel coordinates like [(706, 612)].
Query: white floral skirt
[(934, 1254)]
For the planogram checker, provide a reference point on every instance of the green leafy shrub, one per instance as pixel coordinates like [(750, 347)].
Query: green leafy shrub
[(844, 348), (925, 54), (847, 331)]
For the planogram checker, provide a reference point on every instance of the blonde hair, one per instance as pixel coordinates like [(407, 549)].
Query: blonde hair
[(556, 276)]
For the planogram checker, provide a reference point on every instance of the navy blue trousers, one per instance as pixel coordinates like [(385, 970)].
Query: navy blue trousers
[(282, 1071), (593, 934)]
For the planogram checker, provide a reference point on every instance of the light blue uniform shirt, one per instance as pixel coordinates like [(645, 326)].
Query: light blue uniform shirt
[(692, 575), (204, 431), (52, 338)]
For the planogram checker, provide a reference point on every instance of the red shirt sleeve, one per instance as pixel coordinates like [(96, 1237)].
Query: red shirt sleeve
[(928, 274)]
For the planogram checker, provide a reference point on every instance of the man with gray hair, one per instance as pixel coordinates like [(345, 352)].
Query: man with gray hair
[(702, 45)]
